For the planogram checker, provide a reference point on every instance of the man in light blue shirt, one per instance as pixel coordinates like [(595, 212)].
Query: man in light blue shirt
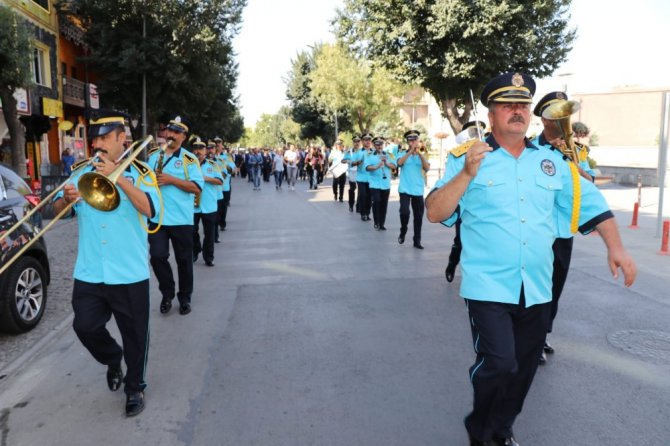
[(413, 165), (507, 191), (206, 205), (352, 172), (379, 166), (180, 179), (358, 160), (552, 138), (111, 274)]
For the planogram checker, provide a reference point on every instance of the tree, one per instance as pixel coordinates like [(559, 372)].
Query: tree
[(449, 47), (342, 82), (275, 130), (315, 118), (15, 50), (187, 57)]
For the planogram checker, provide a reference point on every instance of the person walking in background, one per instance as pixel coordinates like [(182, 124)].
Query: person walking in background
[(278, 167), (291, 158), (68, 160)]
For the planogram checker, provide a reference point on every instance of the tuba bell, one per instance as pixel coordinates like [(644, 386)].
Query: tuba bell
[(560, 112)]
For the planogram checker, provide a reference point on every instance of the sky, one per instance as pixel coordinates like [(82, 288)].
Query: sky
[(619, 43)]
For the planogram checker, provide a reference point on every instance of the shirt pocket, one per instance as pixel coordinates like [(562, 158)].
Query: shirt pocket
[(485, 194), (545, 190)]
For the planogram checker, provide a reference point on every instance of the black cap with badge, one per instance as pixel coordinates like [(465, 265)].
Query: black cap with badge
[(509, 87), (104, 121)]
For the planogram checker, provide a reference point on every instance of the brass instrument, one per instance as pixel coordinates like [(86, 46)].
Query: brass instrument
[(161, 157), (196, 200), (100, 191), (560, 112), (95, 180)]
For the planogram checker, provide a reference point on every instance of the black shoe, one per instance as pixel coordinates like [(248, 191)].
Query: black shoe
[(184, 308), (543, 358), (134, 403), (475, 442), (401, 238), (209, 263), (195, 257), (417, 245), (114, 377), (341, 200), (548, 348), (509, 441), (376, 226), (382, 228), (450, 271), (217, 241), (166, 304), (351, 209)]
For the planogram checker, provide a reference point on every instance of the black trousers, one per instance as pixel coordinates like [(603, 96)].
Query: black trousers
[(562, 248), (338, 184), (219, 206), (508, 341), (209, 234), (223, 211), (364, 198), (352, 195), (181, 237), (380, 202), (94, 304), (416, 202)]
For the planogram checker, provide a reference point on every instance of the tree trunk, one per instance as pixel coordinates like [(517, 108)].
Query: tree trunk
[(16, 132), (450, 111)]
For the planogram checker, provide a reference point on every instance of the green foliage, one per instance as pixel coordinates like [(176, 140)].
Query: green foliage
[(594, 140), (451, 46), (344, 83), (592, 162), (15, 51), (315, 118), (187, 56), (274, 130)]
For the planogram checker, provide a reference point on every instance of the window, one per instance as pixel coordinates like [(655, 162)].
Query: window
[(63, 69), (40, 65), (73, 71)]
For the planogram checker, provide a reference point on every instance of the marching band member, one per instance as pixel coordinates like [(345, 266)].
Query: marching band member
[(111, 274), (358, 160), (379, 167), (335, 159), (352, 172), (206, 205), (413, 165), (180, 179), (551, 137)]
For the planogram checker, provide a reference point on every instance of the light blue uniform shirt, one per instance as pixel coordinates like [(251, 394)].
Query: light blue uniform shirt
[(219, 187), (226, 181), (509, 225), (361, 174), (411, 175), (380, 178), (562, 219), (209, 194), (112, 246), (178, 204)]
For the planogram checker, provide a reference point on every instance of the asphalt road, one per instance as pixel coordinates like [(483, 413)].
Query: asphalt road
[(314, 329)]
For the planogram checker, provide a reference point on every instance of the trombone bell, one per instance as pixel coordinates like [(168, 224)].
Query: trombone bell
[(561, 110), (99, 192)]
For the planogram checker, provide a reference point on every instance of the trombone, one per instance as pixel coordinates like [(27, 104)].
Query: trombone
[(97, 190)]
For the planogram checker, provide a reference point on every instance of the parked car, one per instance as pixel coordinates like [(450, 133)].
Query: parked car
[(23, 286)]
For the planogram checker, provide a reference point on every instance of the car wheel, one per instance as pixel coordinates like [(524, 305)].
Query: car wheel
[(24, 292)]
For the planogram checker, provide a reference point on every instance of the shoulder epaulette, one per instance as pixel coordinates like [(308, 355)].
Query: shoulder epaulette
[(141, 167), (461, 150), (152, 151), (190, 158)]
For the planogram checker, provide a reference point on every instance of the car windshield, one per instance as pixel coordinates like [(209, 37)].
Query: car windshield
[(12, 185)]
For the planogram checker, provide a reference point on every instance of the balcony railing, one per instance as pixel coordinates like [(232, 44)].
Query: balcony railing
[(74, 92)]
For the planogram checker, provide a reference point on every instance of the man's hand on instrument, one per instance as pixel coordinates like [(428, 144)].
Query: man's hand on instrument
[(474, 157), (559, 143), (70, 193), (104, 165), (164, 179)]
